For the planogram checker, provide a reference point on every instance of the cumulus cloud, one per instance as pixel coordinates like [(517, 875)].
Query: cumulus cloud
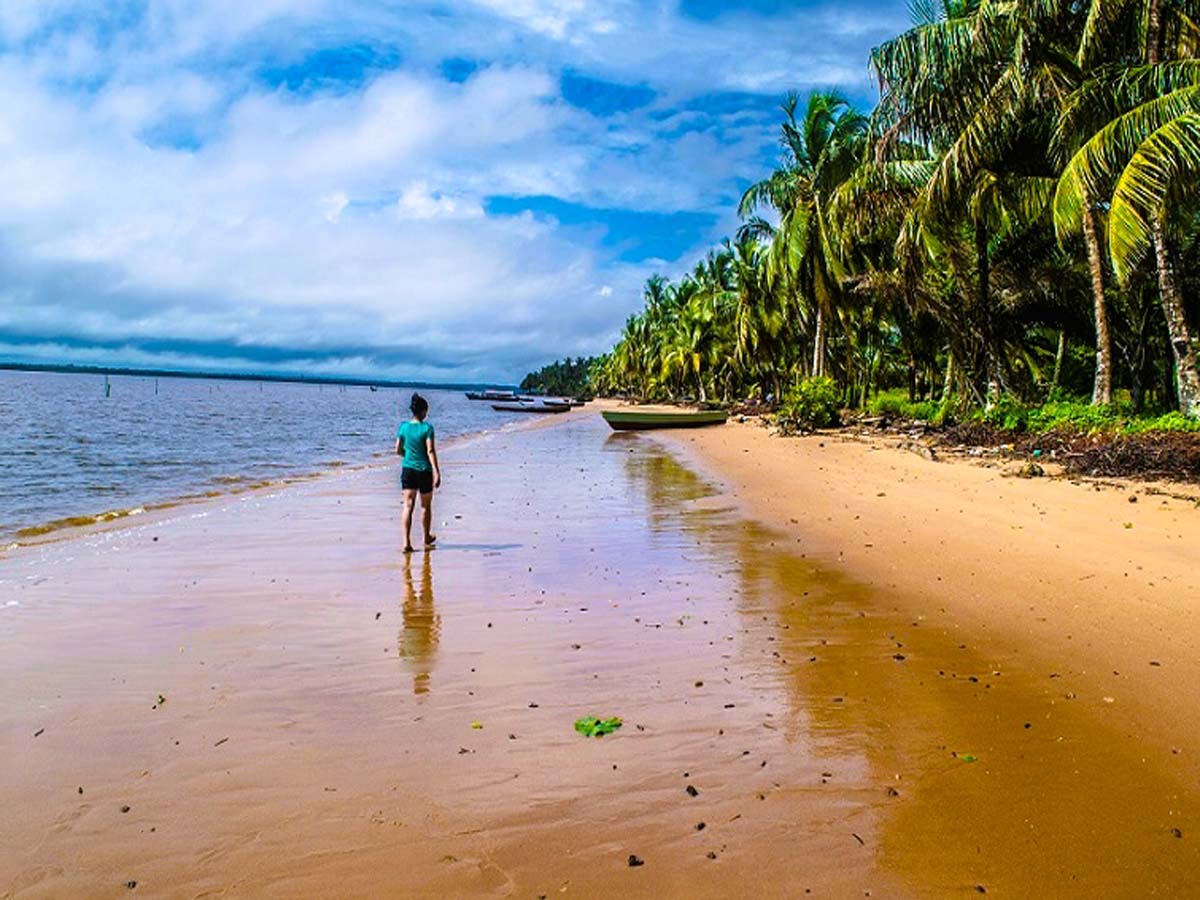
[(299, 183)]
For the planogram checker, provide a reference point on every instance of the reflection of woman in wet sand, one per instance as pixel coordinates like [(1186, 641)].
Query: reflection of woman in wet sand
[(422, 626)]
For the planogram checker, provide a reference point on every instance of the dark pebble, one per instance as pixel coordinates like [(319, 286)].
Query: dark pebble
[(711, 854), (700, 826), (980, 889), (1177, 832), (125, 809), (692, 792), (132, 884), (635, 861), (898, 657)]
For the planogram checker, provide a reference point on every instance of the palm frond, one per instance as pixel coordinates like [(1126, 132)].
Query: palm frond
[(1166, 161), (1096, 165)]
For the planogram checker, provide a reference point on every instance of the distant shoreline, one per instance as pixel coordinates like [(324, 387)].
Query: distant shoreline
[(245, 376)]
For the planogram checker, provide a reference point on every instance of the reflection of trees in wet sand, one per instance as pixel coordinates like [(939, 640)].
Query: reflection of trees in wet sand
[(1053, 785), (422, 625)]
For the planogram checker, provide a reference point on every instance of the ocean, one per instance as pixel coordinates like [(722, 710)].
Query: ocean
[(69, 455)]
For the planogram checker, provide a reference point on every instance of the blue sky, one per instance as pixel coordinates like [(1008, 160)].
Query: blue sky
[(454, 190)]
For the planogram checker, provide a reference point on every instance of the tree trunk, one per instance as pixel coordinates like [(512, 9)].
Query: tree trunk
[(1187, 377), (991, 360), (948, 383), (1102, 384), (912, 379), (1153, 31), (1058, 361), (818, 366)]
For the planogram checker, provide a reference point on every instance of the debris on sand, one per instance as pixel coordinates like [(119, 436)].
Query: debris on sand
[(591, 726), (635, 861)]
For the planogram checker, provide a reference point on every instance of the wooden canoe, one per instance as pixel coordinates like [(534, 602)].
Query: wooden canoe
[(632, 420)]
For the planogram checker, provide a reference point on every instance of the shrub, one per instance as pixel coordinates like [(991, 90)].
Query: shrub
[(1007, 413), (1172, 421), (813, 403), (897, 405), (1078, 415)]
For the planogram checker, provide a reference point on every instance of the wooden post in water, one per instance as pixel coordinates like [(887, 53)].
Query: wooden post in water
[(107, 386)]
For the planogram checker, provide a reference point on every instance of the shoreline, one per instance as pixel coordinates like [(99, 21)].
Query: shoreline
[(83, 525), (1092, 578)]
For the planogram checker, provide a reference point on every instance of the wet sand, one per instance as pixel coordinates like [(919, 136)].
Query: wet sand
[(261, 696)]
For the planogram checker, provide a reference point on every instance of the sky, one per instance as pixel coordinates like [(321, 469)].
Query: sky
[(459, 190)]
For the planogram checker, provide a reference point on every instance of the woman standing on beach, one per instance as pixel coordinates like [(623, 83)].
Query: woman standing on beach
[(419, 472)]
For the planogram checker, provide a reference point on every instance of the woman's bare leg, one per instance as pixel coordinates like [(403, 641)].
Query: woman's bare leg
[(427, 518), (410, 500)]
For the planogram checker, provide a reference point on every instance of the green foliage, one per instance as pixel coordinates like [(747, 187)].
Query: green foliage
[(995, 227), (813, 403), (1172, 421), (568, 378), (590, 726), (896, 404), (1078, 415)]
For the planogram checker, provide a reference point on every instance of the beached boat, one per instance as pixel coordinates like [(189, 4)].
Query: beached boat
[(531, 406), (634, 420)]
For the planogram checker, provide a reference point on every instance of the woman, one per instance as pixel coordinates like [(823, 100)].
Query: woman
[(420, 472)]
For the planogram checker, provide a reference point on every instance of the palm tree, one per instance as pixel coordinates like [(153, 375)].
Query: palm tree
[(819, 153), (1135, 132)]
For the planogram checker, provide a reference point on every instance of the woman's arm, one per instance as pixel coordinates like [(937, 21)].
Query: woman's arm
[(399, 446), (437, 469)]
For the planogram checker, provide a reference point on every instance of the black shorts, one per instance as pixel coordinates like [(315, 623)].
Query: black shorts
[(416, 480)]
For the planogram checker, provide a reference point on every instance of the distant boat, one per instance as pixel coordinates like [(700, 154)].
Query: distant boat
[(632, 420), (531, 406), (495, 396)]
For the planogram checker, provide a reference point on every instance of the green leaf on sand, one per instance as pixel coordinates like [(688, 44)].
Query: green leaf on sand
[(967, 757), (590, 726)]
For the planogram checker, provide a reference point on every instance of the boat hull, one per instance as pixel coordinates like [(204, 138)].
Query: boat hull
[(493, 396), (529, 408), (650, 421)]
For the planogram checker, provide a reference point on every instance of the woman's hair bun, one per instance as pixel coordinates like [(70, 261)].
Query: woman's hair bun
[(419, 405)]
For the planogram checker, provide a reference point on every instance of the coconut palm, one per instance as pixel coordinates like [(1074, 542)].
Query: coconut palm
[(1134, 130), (819, 152)]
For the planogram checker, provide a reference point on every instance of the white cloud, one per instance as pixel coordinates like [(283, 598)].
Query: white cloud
[(156, 189), (419, 202)]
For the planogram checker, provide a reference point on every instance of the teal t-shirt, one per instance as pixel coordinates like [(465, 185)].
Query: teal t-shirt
[(414, 435)]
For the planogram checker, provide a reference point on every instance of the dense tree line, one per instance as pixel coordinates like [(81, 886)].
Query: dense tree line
[(565, 378), (1016, 217)]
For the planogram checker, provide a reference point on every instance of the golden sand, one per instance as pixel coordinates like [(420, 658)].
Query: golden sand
[(260, 696)]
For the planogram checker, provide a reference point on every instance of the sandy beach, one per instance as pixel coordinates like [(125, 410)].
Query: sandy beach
[(842, 669)]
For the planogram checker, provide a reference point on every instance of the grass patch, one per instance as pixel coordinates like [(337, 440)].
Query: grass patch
[(1078, 415)]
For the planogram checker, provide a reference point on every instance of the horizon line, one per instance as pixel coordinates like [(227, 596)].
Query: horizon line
[(287, 378)]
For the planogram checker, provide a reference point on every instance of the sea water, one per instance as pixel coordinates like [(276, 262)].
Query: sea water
[(72, 452)]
